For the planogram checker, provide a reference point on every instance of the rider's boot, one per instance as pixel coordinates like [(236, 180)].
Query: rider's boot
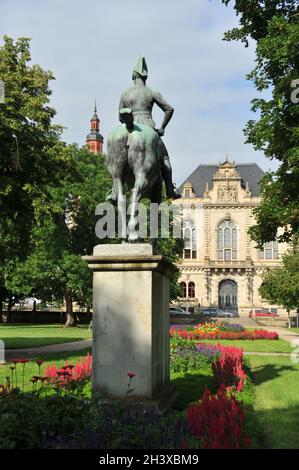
[(171, 191)]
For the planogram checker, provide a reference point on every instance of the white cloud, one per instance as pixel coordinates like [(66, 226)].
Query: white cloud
[(91, 47)]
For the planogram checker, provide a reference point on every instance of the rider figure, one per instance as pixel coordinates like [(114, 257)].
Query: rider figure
[(141, 99)]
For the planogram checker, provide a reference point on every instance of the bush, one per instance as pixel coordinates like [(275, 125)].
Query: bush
[(29, 421), (217, 421), (228, 368)]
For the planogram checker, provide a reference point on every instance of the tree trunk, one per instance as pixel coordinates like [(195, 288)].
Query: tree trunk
[(70, 318), (11, 303)]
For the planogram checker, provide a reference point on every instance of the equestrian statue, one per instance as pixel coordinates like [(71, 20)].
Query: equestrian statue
[(137, 157)]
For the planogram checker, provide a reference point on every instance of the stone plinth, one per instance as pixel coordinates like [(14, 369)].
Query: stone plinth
[(130, 322)]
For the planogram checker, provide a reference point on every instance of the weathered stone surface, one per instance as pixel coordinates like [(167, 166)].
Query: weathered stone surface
[(130, 321), (123, 249)]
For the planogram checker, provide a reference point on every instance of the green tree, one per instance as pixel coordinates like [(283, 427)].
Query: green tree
[(54, 270), (281, 286), (273, 24), (32, 156)]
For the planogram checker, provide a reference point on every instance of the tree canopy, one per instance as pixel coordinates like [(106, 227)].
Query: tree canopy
[(32, 156), (281, 286), (273, 24)]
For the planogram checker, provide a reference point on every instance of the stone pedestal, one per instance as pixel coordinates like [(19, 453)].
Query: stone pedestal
[(131, 323)]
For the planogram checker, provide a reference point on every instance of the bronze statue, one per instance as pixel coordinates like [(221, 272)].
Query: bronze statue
[(137, 155)]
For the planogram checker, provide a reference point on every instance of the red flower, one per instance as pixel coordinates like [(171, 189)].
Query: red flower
[(23, 361), (247, 441), (131, 375), (39, 362)]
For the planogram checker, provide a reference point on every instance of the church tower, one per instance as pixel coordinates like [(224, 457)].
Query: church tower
[(94, 140)]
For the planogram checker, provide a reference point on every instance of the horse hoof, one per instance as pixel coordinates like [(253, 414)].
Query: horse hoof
[(133, 237)]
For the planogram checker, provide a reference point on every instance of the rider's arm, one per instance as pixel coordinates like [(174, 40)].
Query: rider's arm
[(168, 110)]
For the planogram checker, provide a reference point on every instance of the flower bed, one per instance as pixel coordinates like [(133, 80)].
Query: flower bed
[(217, 421), (62, 376), (228, 367), (213, 332)]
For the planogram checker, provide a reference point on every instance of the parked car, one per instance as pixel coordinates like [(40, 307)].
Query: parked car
[(216, 313), (175, 311), (263, 312)]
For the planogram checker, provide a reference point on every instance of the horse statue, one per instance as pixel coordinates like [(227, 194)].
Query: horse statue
[(137, 157), (133, 160)]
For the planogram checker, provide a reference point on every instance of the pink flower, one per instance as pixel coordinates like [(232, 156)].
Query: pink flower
[(131, 375)]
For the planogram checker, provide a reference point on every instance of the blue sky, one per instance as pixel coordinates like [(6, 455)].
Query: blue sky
[(92, 46)]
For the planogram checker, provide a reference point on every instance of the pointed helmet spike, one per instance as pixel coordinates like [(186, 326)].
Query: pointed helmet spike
[(95, 106), (140, 68)]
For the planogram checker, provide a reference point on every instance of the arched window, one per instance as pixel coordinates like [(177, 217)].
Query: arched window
[(191, 290), (227, 241), (269, 251), (183, 289), (190, 247)]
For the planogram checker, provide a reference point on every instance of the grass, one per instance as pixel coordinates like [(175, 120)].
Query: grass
[(293, 330), (277, 400), (191, 385), (31, 368), (20, 336), (259, 345)]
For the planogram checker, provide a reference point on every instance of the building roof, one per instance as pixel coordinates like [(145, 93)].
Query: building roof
[(94, 135), (250, 173)]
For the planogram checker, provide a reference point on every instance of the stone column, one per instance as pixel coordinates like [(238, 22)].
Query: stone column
[(130, 323)]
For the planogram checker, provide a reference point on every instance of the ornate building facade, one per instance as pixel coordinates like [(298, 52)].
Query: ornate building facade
[(221, 266)]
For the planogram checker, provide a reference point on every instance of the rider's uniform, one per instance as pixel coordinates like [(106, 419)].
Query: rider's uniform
[(141, 101)]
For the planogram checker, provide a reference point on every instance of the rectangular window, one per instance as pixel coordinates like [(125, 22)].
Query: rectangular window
[(187, 254), (234, 254), (220, 241), (187, 193), (227, 237), (194, 254), (227, 255)]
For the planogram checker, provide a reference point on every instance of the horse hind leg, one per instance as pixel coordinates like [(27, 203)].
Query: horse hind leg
[(120, 198), (141, 183)]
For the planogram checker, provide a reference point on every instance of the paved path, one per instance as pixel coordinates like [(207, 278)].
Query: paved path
[(51, 348)]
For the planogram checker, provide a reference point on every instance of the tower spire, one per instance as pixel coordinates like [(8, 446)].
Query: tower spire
[(94, 140)]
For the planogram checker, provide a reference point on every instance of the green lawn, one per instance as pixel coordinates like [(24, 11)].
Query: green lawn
[(277, 399), (293, 330), (31, 368), (259, 345), (19, 336), (191, 385)]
